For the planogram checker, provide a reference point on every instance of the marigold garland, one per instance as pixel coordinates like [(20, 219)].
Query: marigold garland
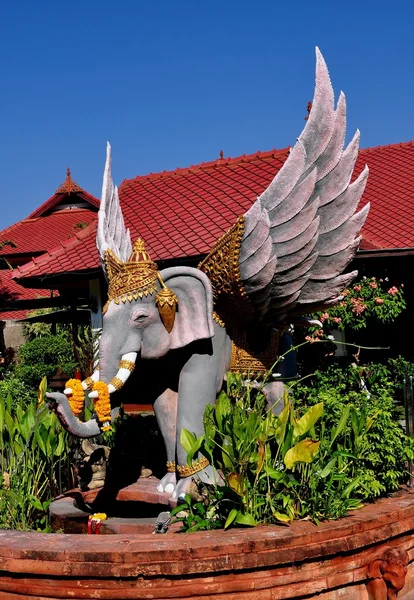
[(77, 398), (102, 405)]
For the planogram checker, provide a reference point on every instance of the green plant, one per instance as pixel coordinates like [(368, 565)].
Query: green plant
[(19, 392), (42, 356), (264, 458), (33, 457), (336, 443), (368, 393)]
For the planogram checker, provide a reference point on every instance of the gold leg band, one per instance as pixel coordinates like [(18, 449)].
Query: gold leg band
[(171, 467), (198, 465)]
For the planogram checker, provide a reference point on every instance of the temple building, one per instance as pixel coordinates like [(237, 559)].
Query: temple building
[(53, 225)]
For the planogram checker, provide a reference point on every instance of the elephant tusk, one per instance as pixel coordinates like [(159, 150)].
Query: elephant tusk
[(126, 366)]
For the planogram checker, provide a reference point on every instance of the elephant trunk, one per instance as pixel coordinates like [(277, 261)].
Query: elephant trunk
[(60, 405)]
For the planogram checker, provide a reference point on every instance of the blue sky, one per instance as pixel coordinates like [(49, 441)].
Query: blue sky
[(171, 83)]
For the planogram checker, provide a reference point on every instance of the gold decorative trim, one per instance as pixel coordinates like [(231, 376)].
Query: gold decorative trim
[(217, 319), (166, 302), (231, 303), (127, 364), (116, 382), (171, 466), (89, 383), (252, 363), (197, 465), (132, 279)]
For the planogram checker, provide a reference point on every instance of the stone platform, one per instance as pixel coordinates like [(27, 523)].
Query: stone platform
[(356, 558), (70, 512)]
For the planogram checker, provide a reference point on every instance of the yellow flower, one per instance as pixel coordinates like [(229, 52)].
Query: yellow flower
[(77, 397), (102, 405)]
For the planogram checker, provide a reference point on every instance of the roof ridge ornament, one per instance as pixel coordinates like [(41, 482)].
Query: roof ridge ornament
[(69, 186)]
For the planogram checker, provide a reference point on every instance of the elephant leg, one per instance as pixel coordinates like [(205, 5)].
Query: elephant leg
[(274, 392), (197, 388), (165, 408)]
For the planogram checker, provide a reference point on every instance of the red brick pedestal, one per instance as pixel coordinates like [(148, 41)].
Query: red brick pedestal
[(335, 560)]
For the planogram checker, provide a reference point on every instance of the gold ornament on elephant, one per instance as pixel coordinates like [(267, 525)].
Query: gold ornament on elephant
[(137, 277), (231, 304)]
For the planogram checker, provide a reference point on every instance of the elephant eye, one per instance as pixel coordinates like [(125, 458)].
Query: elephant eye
[(140, 318)]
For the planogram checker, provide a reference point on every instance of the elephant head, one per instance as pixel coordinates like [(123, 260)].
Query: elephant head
[(135, 327)]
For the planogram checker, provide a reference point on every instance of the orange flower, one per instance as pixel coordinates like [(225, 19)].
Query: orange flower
[(102, 405), (379, 301), (77, 398)]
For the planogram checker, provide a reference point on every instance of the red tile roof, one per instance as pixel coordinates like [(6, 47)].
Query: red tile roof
[(67, 188), (183, 212), (78, 253), (69, 209), (390, 189), (13, 291), (36, 235)]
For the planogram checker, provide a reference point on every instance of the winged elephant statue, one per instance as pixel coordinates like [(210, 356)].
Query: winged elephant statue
[(282, 259)]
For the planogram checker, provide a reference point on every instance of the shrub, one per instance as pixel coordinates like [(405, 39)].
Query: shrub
[(42, 356), (19, 392), (369, 392), (369, 298), (334, 445), (33, 457)]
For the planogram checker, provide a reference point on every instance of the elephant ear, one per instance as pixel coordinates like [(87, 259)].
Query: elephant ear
[(194, 316)]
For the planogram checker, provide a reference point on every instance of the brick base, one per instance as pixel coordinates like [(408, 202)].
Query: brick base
[(328, 562)]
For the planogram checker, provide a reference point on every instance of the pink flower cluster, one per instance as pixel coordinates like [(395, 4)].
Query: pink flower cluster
[(379, 301), (358, 305), (392, 291), (315, 337)]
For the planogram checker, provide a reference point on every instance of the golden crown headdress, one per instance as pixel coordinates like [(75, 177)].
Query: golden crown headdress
[(137, 277)]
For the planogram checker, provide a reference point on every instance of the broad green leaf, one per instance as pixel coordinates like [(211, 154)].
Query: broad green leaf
[(61, 444), (281, 517), (246, 519), (341, 425), (1, 415), (222, 408), (280, 424), (39, 439), (327, 468), (274, 473), (195, 448), (10, 425), (187, 439), (24, 427), (9, 403), (227, 454), (35, 502), (237, 483), (308, 420), (304, 451), (230, 518), (350, 487)]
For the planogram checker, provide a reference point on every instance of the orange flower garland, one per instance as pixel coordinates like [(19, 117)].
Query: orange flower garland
[(77, 398), (102, 405)]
